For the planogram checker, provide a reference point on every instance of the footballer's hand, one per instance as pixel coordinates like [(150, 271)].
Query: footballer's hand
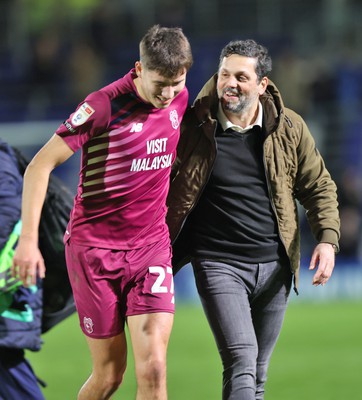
[(28, 262), (323, 258)]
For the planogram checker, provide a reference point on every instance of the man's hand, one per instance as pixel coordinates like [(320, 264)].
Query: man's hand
[(323, 257), (28, 262)]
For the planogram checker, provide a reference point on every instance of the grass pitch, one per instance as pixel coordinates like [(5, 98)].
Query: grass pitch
[(318, 357)]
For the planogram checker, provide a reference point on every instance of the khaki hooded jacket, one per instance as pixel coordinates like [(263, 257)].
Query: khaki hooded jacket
[(294, 168)]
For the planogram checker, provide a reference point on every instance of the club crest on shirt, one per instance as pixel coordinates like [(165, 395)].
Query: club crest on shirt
[(174, 119), (82, 114)]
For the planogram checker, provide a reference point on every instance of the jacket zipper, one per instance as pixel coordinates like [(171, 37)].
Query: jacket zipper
[(277, 218)]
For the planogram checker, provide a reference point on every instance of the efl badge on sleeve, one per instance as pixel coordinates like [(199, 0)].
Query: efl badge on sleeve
[(82, 114)]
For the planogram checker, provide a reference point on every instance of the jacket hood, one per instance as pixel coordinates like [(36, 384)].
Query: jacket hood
[(206, 104)]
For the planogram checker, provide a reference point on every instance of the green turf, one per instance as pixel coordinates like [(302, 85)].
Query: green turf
[(318, 357)]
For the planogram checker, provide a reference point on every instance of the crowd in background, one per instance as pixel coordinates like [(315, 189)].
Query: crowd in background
[(53, 53)]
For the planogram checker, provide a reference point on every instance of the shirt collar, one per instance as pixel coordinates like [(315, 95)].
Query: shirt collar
[(226, 124)]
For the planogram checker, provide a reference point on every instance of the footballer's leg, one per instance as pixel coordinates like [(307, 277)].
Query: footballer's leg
[(150, 309), (150, 335), (109, 358)]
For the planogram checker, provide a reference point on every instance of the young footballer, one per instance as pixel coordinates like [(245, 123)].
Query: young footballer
[(117, 242)]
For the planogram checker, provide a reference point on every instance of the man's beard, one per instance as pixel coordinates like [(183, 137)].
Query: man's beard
[(241, 105)]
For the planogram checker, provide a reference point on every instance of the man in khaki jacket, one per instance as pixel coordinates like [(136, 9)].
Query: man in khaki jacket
[(243, 161)]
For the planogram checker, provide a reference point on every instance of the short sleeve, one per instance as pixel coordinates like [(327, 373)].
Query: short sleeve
[(91, 118)]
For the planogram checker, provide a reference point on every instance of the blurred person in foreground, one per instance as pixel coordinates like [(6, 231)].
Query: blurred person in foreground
[(20, 307), (242, 162), (117, 241)]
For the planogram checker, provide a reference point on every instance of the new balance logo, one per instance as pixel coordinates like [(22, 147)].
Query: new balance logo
[(137, 127)]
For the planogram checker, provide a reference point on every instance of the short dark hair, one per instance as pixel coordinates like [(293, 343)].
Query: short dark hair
[(165, 50), (249, 48)]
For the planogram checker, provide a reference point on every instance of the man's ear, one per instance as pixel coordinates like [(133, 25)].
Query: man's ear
[(263, 85), (138, 68)]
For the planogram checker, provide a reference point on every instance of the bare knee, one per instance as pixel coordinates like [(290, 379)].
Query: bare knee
[(102, 385), (152, 373), (115, 380), (110, 384)]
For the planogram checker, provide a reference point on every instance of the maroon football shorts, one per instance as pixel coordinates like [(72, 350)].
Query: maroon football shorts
[(109, 285)]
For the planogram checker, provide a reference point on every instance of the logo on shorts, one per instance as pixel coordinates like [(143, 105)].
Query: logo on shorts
[(88, 324), (174, 119)]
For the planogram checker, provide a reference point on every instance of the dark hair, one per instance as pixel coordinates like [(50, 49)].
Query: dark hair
[(165, 50), (249, 48)]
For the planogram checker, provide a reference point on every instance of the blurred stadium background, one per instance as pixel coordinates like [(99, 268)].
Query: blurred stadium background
[(54, 52)]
